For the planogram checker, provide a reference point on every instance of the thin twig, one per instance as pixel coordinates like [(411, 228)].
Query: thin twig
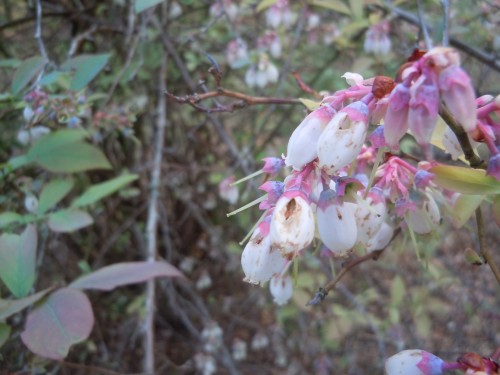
[(38, 31), (485, 252), (474, 160), (488, 59), (423, 25), (446, 22), (374, 255), (151, 226), (243, 100)]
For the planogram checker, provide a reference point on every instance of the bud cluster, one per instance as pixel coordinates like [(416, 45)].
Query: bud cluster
[(344, 187)]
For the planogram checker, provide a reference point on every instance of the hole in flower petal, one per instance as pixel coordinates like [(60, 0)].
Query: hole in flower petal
[(290, 208)]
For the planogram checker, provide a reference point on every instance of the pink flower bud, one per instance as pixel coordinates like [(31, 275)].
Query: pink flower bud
[(494, 167), (343, 138), (272, 165), (259, 261), (292, 224), (336, 222), (414, 362), (423, 114), (458, 95), (396, 117), (426, 218), (281, 288), (302, 144)]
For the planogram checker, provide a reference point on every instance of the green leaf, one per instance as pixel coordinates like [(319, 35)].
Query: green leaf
[(464, 208), (87, 67), (311, 105), (99, 191), (10, 63), (335, 5), (63, 319), (52, 193), (17, 261), (472, 257), (61, 151), (69, 220), (264, 4), (10, 307), (4, 333), (26, 72), (7, 218), (142, 5), (18, 162), (356, 8), (398, 291), (465, 180), (110, 277)]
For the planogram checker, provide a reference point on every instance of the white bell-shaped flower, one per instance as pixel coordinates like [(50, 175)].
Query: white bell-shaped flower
[(452, 146), (281, 288), (292, 224), (414, 362), (424, 219), (302, 144), (260, 262), (380, 239), (343, 138), (336, 222), (370, 214)]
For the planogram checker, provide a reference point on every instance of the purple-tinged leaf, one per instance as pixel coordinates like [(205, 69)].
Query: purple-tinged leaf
[(110, 277), (63, 319), (17, 261), (69, 220), (9, 307)]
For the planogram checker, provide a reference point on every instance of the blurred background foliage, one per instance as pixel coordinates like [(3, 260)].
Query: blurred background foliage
[(441, 304)]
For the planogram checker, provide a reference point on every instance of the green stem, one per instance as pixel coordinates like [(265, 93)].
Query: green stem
[(485, 252)]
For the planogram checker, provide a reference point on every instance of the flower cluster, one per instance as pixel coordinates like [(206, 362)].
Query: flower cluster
[(344, 186)]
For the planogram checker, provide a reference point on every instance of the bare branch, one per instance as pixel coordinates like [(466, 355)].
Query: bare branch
[(374, 255), (243, 100)]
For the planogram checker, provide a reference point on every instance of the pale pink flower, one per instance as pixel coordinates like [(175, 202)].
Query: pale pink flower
[(237, 53), (458, 95), (343, 138), (396, 117), (423, 113), (382, 238), (414, 362), (337, 225), (426, 218), (260, 262), (370, 214), (281, 288), (292, 224), (377, 39), (301, 147), (227, 192)]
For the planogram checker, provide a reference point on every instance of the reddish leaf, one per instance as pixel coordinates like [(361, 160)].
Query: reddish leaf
[(63, 319), (108, 278)]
